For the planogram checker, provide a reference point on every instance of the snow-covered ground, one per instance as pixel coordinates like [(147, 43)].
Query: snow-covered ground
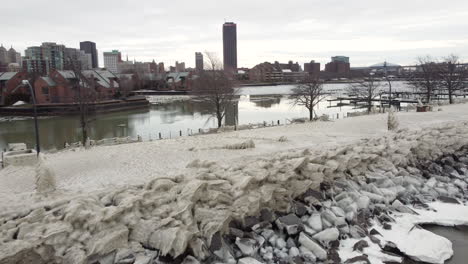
[(174, 194), (102, 167)]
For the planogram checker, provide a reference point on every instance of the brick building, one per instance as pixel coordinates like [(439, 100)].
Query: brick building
[(58, 86), (339, 65), (312, 68)]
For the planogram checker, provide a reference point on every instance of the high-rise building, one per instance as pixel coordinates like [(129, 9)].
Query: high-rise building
[(230, 46), (90, 48), (179, 67), (43, 58), (313, 68), (198, 61), (111, 60), (77, 59), (3, 55)]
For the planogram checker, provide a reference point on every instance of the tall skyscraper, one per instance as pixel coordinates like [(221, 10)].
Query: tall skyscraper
[(111, 60), (90, 48), (230, 46), (198, 61)]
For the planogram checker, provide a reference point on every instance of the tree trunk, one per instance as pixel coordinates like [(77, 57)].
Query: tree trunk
[(84, 132), (450, 95), (311, 114), (220, 119)]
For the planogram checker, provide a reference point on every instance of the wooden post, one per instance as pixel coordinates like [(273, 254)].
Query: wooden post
[(160, 135), (278, 122)]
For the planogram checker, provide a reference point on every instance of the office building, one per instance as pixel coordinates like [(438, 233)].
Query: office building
[(111, 60), (90, 48), (198, 61), (230, 46)]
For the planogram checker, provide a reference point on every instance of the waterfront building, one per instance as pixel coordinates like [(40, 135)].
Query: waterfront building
[(312, 68), (230, 46), (266, 72), (111, 60), (338, 65), (294, 67), (198, 61), (9, 81), (89, 47)]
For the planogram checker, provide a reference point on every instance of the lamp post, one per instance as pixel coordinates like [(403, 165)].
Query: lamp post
[(36, 127), (389, 85)]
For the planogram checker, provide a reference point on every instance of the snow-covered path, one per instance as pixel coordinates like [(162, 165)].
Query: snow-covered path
[(102, 167)]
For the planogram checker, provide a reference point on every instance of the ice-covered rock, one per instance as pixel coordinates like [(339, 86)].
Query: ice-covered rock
[(248, 260), (327, 235), (247, 246), (315, 222), (291, 223), (294, 252), (311, 245)]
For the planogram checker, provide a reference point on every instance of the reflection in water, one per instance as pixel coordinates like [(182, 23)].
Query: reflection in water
[(267, 102), (169, 119)]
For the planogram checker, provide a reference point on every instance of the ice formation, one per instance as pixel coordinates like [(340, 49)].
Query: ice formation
[(45, 178), (189, 212)]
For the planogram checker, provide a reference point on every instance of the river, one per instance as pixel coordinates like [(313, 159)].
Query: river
[(255, 105)]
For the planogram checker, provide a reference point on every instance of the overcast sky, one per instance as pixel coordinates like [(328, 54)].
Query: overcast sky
[(267, 30)]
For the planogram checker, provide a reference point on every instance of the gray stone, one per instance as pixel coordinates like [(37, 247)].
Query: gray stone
[(446, 199), (247, 246), (267, 233), (360, 245), (291, 223), (290, 243)]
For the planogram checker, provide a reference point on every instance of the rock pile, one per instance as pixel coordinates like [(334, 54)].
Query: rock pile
[(236, 214), (319, 220)]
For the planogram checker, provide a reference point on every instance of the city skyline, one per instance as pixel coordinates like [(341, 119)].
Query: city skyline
[(363, 30)]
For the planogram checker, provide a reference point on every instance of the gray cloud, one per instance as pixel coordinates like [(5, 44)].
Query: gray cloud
[(299, 30)]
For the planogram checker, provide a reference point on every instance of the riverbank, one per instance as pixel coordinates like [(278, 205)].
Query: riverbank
[(108, 106), (174, 194)]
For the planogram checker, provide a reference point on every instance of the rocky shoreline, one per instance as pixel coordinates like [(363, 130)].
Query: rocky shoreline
[(343, 209), (295, 207)]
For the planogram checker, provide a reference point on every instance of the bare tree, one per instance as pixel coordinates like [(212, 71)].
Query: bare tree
[(368, 89), (126, 86), (426, 78), (85, 95), (452, 75), (214, 86), (309, 92)]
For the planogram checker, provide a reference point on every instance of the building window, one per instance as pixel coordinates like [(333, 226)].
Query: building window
[(45, 90)]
